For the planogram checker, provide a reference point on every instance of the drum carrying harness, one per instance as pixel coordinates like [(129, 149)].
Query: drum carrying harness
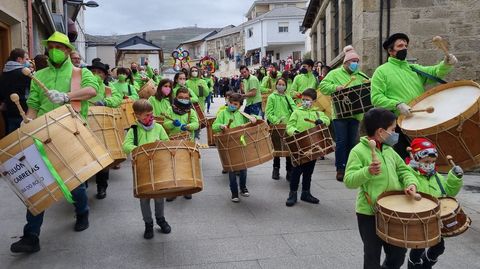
[(427, 75), (440, 185), (135, 135)]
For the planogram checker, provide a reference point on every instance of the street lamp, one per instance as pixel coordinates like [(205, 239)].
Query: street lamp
[(74, 3)]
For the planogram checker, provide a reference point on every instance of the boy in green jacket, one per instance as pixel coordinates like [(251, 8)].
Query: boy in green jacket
[(372, 178), (425, 155), (147, 131), (301, 120), (236, 118), (279, 108)]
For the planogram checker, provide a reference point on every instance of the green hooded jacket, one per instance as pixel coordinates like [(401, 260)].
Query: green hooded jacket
[(193, 96), (429, 185), (224, 116), (193, 84), (126, 89), (301, 82), (184, 119), (144, 137), (297, 122), (160, 106), (279, 108)]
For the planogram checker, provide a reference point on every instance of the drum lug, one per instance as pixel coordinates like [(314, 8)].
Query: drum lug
[(76, 133), (49, 140), (22, 158)]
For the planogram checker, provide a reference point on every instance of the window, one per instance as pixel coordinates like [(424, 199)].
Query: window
[(217, 44), (335, 26), (300, 27), (348, 22), (277, 56), (283, 27), (250, 32)]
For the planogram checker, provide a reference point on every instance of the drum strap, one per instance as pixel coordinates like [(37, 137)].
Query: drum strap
[(129, 90), (135, 134), (364, 76), (75, 85), (444, 193), (427, 75), (289, 105)]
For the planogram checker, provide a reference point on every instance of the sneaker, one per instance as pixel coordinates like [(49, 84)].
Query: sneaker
[(27, 244), (148, 234), (276, 173), (101, 193), (164, 226), (235, 198), (82, 222), (292, 199), (244, 192), (309, 198)]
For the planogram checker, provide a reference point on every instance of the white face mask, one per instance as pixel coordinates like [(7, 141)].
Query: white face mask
[(281, 88), (194, 74), (306, 103), (427, 167)]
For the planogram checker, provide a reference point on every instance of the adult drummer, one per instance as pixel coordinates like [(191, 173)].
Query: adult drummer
[(397, 82), (251, 89), (346, 129), (57, 77)]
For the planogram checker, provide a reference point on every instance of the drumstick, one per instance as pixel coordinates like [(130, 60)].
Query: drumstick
[(441, 44), (27, 72), (167, 117), (309, 120), (429, 109), (450, 160), (16, 99), (373, 145), (229, 123), (409, 150), (352, 79)]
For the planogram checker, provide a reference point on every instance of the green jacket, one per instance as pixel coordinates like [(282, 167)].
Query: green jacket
[(138, 78), (126, 89), (184, 119), (193, 84), (339, 77), (268, 83), (210, 83), (395, 82), (429, 185), (223, 118), (160, 106), (249, 84), (297, 123), (113, 101), (302, 82), (144, 137), (395, 174), (58, 79), (193, 96), (279, 106)]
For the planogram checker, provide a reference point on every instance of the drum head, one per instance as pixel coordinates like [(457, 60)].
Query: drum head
[(404, 204), (448, 104), (448, 206)]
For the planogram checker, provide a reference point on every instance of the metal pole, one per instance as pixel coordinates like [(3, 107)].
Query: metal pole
[(65, 16)]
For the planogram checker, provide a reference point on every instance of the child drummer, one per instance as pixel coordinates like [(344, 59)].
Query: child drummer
[(231, 118), (374, 171), (301, 120), (146, 131), (423, 157)]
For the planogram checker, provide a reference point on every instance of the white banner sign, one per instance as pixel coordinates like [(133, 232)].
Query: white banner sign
[(28, 176)]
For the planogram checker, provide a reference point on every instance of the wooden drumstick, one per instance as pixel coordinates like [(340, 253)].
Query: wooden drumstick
[(16, 99), (167, 117), (352, 79), (429, 110), (415, 195), (409, 150), (440, 43), (309, 120), (229, 123), (450, 160), (373, 145), (27, 72)]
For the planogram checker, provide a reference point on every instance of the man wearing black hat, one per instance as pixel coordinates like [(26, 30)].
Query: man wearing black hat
[(109, 97), (397, 82)]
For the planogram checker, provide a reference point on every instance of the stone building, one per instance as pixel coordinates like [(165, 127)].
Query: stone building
[(228, 48), (366, 24), (137, 49)]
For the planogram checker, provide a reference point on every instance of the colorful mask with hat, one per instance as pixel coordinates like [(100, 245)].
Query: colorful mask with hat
[(423, 148)]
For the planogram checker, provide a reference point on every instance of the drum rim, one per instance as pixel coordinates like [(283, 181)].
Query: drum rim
[(385, 210), (243, 128), (451, 123)]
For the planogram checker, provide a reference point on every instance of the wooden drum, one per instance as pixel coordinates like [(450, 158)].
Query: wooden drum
[(166, 169), (71, 148), (210, 140), (454, 220), (352, 101), (103, 123), (403, 222), (181, 136), (454, 126), (128, 116), (148, 89), (201, 116), (244, 146), (278, 133), (310, 144)]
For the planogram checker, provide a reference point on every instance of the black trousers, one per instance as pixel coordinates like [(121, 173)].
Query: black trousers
[(306, 170), (101, 178), (403, 143), (372, 247), (288, 163), (432, 253)]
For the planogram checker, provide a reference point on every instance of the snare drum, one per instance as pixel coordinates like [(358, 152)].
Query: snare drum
[(278, 133), (166, 169), (403, 222), (454, 220), (453, 126), (147, 90), (352, 101), (310, 144)]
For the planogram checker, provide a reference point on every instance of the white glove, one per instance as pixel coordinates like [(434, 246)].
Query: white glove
[(413, 164), (57, 97), (450, 59), (404, 109), (457, 171)]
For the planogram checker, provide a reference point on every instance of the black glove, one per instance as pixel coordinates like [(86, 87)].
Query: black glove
[(318, 122)]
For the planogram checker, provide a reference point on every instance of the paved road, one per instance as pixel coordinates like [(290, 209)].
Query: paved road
[(210, 231)]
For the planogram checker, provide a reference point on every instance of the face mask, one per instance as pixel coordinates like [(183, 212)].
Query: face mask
[(184, 101), (262, 71), (194, 74), (392, 139), (427, 168), (401, 54), (56, 56), (134, 71), (303, 70), (166, 91), (26, 64), (353, 66), (148, 121), (122, 77), (232, 108), (281, 88), (181, 82), (306, 103)]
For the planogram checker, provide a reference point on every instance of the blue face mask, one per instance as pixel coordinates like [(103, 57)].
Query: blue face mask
[(392, 139), (26, 64), (232, 108), (353, 66), (184, 101)]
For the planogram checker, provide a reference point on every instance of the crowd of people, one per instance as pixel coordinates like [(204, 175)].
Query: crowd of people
[(291, 100)]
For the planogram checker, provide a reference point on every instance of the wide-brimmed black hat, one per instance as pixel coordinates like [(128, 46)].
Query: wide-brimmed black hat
[(394, 38), (98, 65)]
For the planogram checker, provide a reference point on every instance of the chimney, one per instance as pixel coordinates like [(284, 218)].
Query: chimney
[(144, 35)]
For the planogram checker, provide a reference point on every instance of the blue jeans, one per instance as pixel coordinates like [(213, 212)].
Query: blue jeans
[(208, 101), (233, 180), (346, 134), (253, 109), (12, 124), (34, 223)]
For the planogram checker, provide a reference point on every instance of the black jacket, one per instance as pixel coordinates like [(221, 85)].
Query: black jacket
[(13, 81)]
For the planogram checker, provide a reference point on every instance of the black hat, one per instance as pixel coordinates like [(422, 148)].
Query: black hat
[(98, 65), (394, 38)]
